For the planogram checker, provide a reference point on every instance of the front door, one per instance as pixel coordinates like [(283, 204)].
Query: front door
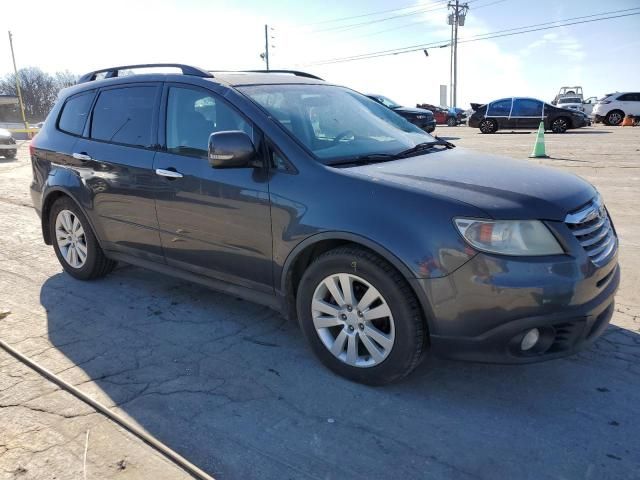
[(215, 222), (116, 161), (527, 112)]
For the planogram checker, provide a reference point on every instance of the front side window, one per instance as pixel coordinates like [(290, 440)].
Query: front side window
[(75, 112), (124, 115), (500, 108), (335, 122), (526, 107), (193, 115)]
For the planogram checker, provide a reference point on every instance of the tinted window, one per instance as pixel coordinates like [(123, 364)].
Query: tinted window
[(75, 112), (629, 97), (501, 108), (192, 115), (526, 107), (124, 115)]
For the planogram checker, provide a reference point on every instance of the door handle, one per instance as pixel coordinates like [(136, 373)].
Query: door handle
[(81, 156), (169, 173)]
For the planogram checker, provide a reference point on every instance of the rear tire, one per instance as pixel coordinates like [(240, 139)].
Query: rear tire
[(394, 312), (74, 242), (560, 125), (488, 125), (614, 118)]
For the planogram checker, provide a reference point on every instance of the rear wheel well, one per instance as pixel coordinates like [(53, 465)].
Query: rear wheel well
[(46, 210)]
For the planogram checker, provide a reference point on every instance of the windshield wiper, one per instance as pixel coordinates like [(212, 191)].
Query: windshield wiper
[(421, 147), (366, 159)]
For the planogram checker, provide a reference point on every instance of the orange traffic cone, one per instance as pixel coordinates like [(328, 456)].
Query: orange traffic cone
[(628, 121)]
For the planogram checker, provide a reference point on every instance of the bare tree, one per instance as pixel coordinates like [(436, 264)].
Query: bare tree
[(39, 90)]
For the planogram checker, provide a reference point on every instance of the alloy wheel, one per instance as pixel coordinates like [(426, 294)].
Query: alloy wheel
[(559, 125), (487, 126), (71, 239), (353, 320), (614, 118)]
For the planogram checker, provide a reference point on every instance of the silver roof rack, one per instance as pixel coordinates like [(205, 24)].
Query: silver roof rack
[(113, 71), (297, 73)]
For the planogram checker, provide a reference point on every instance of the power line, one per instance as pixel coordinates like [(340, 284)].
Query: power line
[(485, 36), (419, 22), (351, 26), (380, 12)]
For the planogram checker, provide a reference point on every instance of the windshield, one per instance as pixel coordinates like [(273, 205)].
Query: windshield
[(335, 123), (387, 101), (570, 100)]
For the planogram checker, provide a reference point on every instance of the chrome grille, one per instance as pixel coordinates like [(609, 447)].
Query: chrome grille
[(592, 228)]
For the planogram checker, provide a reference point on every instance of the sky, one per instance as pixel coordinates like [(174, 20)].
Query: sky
[(602, 57)]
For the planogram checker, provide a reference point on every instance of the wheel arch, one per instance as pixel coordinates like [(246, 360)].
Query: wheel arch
[(306, 251), (48, 200)]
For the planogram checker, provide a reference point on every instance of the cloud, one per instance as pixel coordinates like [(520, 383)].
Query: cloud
[(561, 44)]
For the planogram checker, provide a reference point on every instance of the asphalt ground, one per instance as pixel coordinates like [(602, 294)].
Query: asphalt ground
[(232, 387)]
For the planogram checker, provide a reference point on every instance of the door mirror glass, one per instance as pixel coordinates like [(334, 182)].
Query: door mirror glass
[(231, 149)]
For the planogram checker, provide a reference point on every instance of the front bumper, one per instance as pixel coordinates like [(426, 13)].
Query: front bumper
[(8, 146), (428, 126), (482, 311)]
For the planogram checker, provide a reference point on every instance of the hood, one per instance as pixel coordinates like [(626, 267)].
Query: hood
[(502, 187), (413, 111)]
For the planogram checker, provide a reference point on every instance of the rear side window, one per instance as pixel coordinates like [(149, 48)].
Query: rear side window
[(501, 108), (74, 113), (629, 97), (526, 107), (124, 115)]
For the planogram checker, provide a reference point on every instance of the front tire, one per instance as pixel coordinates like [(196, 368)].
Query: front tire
[(10, 154), (74, 242), (452, 122), (360, 317), (488, 125), (614, 118)]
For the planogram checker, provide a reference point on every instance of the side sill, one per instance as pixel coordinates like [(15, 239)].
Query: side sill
[(271, 301)]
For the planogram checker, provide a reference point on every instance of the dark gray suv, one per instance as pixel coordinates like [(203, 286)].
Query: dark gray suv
[(381, 240)]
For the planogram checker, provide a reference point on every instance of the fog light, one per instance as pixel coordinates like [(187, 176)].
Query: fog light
[(530, 339)]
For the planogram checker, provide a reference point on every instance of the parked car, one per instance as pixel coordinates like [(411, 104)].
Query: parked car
[(612, 108), (576, 103), (443, 116), (8, 147), (418, 116), (381, 240), (520, 112)]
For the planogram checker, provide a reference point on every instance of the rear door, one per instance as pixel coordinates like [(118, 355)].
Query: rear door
[(630, 103), (117, 162), (527, 112), (215, 222), (500, 110)]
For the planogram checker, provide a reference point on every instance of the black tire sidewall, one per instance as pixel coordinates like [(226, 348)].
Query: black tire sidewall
[(401, 359), (90, 265), (609, 115)]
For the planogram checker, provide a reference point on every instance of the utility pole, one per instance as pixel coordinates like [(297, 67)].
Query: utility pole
[(15, 69), (266, 45), (456, 19)]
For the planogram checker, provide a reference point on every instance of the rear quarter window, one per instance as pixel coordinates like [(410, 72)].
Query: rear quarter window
[(75, 112), (499, 108)]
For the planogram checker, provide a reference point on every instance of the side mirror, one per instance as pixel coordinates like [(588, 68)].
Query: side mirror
[(231, 149)]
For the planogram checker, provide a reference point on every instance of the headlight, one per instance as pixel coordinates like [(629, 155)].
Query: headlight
[(509, 237)]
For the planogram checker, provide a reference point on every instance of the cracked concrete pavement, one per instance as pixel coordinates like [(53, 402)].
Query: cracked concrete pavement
[(232, 387)]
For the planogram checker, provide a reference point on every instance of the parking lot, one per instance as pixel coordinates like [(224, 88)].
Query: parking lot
[(232, 387)]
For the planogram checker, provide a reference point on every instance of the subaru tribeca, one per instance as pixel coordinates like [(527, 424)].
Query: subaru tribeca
[(381, 240)]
